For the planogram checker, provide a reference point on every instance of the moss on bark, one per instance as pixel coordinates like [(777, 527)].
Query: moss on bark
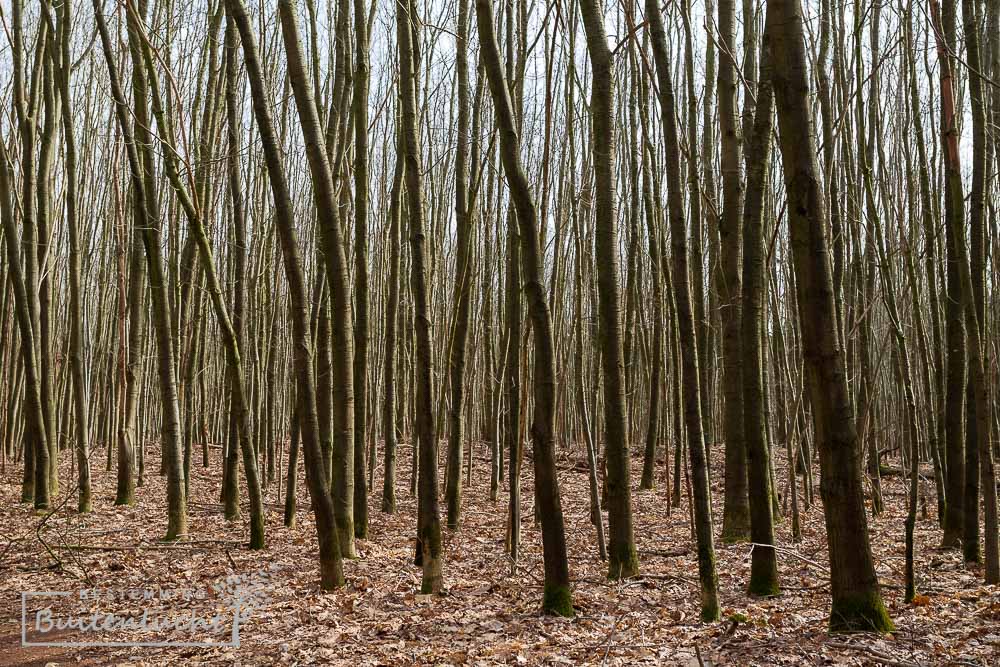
[(557, 601), (863, 612)]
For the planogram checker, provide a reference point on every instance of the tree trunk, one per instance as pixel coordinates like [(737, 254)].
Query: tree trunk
[(685, 319), (556, 598), (764, 563), (623, 562), (331, 571), (857, 603), (428, 516)]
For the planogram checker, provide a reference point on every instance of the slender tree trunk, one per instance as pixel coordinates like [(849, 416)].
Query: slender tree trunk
[(331, 236), (331, 570), (623, 562), (685, 320), (974, 314), (127, 435), (78, 361), (736, 509), (34, 427), (428, 515), (148, 226), (360, 102), (389, 362), (464, 275), (763, 564)]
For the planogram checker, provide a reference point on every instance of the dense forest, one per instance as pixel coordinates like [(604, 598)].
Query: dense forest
[(612, 293)]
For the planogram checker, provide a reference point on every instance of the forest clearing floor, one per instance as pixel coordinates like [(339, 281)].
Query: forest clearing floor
[(489, 615)]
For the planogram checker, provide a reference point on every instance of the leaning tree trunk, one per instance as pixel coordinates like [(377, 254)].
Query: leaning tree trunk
[(331, 237), (37, 463), (331, 571), (231, 329), (556, 598), (34, 427), (148, 226)]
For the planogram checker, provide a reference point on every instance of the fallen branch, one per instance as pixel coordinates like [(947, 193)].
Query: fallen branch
[(789, 552), (878, 655)]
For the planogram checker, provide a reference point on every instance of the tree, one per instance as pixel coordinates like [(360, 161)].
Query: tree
[(736, 509), (685, 320), (464, 273), (428, 515), (857, 603), (556, 597), (360, 112), (148, 226), (335, 258), (764, 562), (623, 561), (331, 569)]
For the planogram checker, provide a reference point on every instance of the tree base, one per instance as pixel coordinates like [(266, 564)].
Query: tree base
[(557, 601), (709, 609), (862, 612), (624, 565), (764, 585), (735, 534), (432, 581), (331, 574)]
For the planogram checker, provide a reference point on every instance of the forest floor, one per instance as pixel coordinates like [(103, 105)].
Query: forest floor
[(489, 614)]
